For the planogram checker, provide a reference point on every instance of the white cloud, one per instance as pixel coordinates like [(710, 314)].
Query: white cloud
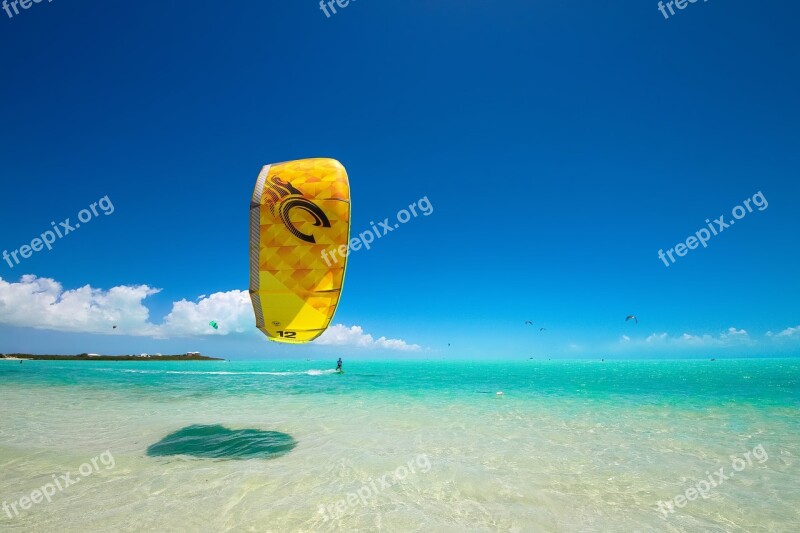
[(697, 339), (232, 311), (657, 337), (730, 336), (790, 332), (734, 333), (42, 303), (341, 335)]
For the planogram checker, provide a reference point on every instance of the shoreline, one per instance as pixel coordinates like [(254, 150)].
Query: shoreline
[(86, 357)]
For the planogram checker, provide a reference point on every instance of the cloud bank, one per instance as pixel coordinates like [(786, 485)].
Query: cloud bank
[(341, 335), (790, 332), (730, 337), (43, 303)]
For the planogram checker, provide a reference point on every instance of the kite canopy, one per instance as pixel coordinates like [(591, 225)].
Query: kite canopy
[(213, 324), (299, 236), (631, 317)]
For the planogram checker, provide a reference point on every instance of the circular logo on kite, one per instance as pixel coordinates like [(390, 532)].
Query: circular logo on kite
[(285, 197)]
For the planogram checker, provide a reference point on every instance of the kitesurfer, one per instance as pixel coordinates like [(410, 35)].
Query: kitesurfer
[(339, 365)]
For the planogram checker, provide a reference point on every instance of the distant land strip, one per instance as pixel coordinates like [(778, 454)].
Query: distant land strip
[(93, 357)]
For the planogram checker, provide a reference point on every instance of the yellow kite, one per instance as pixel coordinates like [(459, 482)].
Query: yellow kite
[(299, 210)]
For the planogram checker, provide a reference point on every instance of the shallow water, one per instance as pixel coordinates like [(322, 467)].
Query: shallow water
[(429, 446)]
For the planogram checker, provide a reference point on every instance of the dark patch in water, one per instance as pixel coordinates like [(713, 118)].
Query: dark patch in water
[(219, 442)]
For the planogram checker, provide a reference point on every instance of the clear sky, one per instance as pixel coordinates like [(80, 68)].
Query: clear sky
[(561, 145)]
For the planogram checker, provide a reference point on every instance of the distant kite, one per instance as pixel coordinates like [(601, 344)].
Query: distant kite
[(114, 327), (633, 317), (528, 323), (542, 329), (213, 324)]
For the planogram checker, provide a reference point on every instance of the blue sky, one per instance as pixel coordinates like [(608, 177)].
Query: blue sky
[(561, 144)]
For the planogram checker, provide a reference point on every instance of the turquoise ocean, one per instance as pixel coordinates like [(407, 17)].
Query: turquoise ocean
[(400, 446)]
